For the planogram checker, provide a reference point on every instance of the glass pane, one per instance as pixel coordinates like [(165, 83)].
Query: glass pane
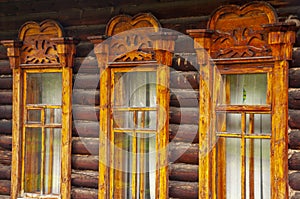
[(233, 168), (135, 119), (33, 116), (261, 122), (52, 160), (258, 169), (33, 160), (135, 166), (53, 116), (249, 89), (135, 89), (233, 123), (44, 88)]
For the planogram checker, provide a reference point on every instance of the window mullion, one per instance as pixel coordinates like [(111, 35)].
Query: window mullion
[(243, 156)]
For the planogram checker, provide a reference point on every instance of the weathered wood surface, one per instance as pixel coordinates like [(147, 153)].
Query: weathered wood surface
[(84, 193), (4, 65), (4, 187), (84, 97), (294, 78), (85, 162), (87, 113), (294, 161), (294, 139), (87, 179), (296, 57), (5, 142), (6, 83), (5, 126), (85, 128), (5, 157), (183, 115), (6, 97), (296, 195), (90, 81), (5, 172), (294, 98), (84, 146), (184, 133), (187, 190), (294, 180), (183, 172), (294, 119), (180, 152), (184, 80), (6, 112), (184, 98), (86, 65)]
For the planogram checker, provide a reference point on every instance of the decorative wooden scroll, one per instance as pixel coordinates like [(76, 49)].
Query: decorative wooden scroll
[(244, 40), (40, 44), (238, 31), (130, 39), (41, 48)]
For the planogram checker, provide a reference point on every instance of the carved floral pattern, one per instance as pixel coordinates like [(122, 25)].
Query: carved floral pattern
[(240, 42), (39, 50), (132, 47)]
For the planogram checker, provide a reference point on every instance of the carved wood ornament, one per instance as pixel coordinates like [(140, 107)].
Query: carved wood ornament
[(130, 39), (245, 39), (40, 48), (133, 43)]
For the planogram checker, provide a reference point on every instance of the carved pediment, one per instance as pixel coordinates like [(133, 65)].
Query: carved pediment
[(239, 32), (37, 46)]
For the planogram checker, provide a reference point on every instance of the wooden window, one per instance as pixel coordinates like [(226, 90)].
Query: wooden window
[(243, 144), (42, 69), (134, 105)]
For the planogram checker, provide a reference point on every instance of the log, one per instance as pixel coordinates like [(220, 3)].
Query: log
[(85, 65), (184, 80), (184, 98), (81, 81), (6, 112), (5, 157), (183, 133), (296, 195), (5, 127), (6, 142), (183, 172), (185, 61), (84, 49), (85, 146), (85, 129), (294, 180), (85, 162), (294, 139), (184, 115), (186, 190), (5, 172), (84, 193), (6, 83), (294, 161), (4, 187), (85, 97), (85, 113), (296, 57), (5, 197), (3, 51), (294, 98), (6, 97), (4, 66), (180, 152), (88, 179), (294, 119), (294, 78)]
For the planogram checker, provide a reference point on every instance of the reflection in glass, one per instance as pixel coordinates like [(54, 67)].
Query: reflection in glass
[(250, 89), (44, 88)]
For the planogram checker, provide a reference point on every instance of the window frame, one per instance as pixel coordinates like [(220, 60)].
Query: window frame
[(47, 35), (155, 54), (217, 51)]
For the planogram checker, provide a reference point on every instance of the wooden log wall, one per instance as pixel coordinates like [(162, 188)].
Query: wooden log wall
[(83, 18)]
